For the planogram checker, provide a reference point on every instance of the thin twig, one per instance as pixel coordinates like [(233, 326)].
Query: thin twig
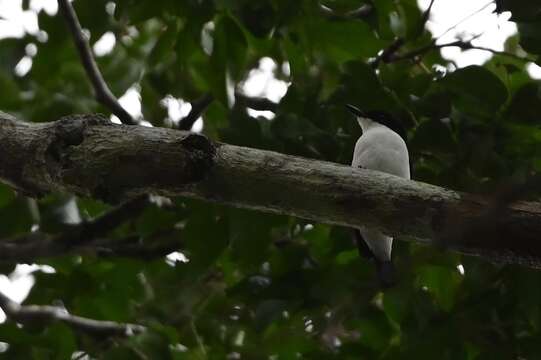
[(89, 230), (425, 17), (32, 247), (358, 13), (198, 107), (152, 247), (256, 103), (464, 19), (87, 234), (464, 45), (102, 92), (45, 314), (388, 53)]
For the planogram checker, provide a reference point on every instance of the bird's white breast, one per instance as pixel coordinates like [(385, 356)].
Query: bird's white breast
[(380, 148)]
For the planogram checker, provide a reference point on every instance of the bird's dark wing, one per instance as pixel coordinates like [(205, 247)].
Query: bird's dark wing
[(364, 250)]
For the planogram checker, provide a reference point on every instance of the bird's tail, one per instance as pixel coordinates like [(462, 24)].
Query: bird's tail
[(386, 273), (385, 269)]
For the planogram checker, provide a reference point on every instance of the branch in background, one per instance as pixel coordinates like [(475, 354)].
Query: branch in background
[(464, 45), (461, 21), (151, 247), (358, 13), (44, 314), (85, 235), (198, 107), (86, 231), (256, 103), (35, 246), (388, 53), (425, 17), (101, 90)]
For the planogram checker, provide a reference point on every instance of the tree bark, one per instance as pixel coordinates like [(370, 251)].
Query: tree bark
[(87, 155)]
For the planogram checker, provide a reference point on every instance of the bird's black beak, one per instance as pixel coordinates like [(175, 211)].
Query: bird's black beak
[(355, 110)]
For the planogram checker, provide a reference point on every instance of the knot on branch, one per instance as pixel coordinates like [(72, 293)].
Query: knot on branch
[(70, 131), (202, 152)]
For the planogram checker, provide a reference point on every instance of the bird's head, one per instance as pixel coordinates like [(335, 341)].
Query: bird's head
[(380, 117)]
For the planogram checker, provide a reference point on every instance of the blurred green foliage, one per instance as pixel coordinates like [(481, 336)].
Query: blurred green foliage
[(261, 286)]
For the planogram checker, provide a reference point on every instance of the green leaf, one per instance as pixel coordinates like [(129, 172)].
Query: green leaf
[(250, 236), (61, 340), (152, 344), (476, 90), (206, 235), (530, 37), (17, 216), (442, 283), (10, 92), (361, 86), (525, 104), (93, 14), (267, 312), (296, 57), (6, 195), (259, 17), (397, 303), (346, 257), (155, 219), (320, 241), (435, 103), (228, 57), (433, 136), (521, 10), (412, 17), (137, 11), (344, 41), (163, 49), (374, 331), (386, 10)]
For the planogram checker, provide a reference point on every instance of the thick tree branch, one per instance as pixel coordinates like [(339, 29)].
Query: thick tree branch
[(101, 90), (91, 158), (43, 314)]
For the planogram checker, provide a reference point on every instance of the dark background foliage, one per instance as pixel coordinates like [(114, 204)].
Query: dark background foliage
[(261, 286)]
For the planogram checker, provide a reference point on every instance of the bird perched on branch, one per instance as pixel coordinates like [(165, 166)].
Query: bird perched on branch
[(381, 147)]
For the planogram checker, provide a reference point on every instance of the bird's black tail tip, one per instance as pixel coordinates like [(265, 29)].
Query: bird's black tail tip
[(385, 270), (386, 273)]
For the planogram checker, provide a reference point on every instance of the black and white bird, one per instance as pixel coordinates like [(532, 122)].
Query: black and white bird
[(381, 147)]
